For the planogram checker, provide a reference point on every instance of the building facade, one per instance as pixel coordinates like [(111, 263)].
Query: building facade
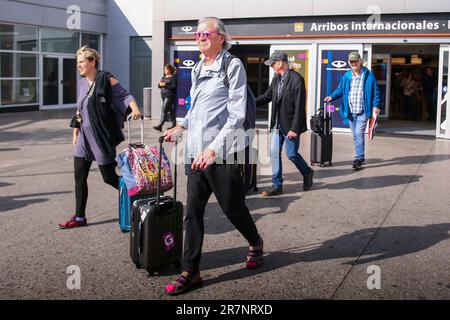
[(39, 38), (398, 39), (395, 38)]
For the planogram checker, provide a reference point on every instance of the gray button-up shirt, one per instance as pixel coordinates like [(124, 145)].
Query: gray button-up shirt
[(216, 112)]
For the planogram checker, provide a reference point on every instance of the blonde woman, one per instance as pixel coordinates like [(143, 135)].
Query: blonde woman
[(102, 104)]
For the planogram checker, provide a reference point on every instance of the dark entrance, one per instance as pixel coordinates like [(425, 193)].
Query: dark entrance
[(413, 87), (253, 57)]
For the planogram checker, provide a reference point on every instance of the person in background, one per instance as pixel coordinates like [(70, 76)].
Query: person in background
[(410, 87), (168, 86), (288, 95), (360, 99), (430, 83), (102, 106)]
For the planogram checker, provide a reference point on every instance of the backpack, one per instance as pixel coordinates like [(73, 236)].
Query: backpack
[(250, 111)]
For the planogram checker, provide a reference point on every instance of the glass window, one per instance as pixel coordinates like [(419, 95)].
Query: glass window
[(90, 40), (18, 65), (18, 91), (62, 41), (21, 38)]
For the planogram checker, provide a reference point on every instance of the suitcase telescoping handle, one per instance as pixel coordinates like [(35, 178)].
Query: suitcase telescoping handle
[(327, 117), (129, 129), (158, 188)]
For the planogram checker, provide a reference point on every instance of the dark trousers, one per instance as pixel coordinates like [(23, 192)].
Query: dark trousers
[(225, 182), (81, 171), (168, 111)]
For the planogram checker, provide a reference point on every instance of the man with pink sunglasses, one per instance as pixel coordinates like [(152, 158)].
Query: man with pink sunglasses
[(217, 112)]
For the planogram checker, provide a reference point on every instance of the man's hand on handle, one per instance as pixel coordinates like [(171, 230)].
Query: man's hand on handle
[(173, 134), (328, 99)]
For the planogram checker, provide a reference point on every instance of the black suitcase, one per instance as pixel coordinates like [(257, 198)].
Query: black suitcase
[(248, 169), (322, 141), (156, 238)]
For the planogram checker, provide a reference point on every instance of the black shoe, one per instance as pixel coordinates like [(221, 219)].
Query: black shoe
[(172, 126), (308, 180), (272, 191), (159, 128), (357, 164)]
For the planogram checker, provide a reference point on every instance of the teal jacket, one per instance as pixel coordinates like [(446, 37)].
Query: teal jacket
[(371, 92)]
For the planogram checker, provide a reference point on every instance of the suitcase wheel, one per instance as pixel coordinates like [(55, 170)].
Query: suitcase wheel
[(330, 163), (177, 264), (322, 165), (151, 272), (255, 189)]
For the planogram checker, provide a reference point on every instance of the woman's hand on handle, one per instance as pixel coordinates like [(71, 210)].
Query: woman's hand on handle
[(135, 113)]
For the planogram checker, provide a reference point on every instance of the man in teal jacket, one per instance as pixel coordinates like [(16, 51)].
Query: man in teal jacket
[(361, 99)]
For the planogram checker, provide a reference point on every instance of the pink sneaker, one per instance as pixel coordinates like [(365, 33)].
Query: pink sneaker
[(72, 223)]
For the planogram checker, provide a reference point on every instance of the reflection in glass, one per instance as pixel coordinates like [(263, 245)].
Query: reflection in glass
[(50, 78), (16, 65), (21, 38), (63, 41), (18, 92), (69, 81), (90, 40)]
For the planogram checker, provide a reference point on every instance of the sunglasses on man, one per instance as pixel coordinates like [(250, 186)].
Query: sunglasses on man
[(205, 34)]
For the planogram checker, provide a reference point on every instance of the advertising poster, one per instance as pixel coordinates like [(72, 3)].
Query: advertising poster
[(333, 66), (299, 59), (184, 61)]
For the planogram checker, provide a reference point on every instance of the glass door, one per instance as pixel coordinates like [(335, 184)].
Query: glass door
[(59, 85), (443, 117), (69, 81), (50, 81), (381, 67)]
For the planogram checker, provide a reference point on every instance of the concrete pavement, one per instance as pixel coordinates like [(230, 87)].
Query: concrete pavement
[(392, 217)]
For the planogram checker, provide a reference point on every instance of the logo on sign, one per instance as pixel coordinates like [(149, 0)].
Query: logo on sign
[(186, 29), (168, 240), (299, 27), (188, 63), (339, 64)]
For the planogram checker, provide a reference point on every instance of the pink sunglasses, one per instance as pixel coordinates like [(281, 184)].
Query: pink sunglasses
[(205, 34)]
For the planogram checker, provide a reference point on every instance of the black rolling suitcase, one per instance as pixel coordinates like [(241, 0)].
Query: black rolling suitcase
[(156, 237), (321, 138)]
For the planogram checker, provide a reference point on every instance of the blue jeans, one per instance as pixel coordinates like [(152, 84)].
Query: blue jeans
[(358, 123), (292, 153)]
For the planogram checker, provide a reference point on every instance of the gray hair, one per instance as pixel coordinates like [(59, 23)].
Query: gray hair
[(220, 28)]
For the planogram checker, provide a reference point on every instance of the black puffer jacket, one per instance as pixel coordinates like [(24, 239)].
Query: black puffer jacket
[(170, 89)]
